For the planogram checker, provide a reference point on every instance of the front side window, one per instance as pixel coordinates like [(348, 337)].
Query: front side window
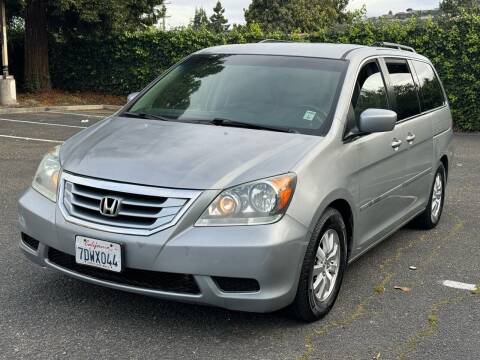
[(407, 104), (370, 91), (430, 89), (282, 91)]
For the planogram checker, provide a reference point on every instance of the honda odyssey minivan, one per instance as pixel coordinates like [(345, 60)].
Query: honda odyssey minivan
[(247, 176)]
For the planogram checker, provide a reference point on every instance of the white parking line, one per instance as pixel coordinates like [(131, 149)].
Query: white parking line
[(30, 139), (459, 285), (68, 113), (43, 123)]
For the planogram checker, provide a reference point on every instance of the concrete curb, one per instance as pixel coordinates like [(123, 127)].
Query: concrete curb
[(19, 110), (112, 107)]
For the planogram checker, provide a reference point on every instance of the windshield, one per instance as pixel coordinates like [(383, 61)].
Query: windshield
[(294, 93)]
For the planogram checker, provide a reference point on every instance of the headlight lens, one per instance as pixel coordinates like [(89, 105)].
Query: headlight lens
[(259, 202), (47, 176)]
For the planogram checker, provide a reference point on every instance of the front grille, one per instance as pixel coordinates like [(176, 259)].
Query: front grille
[(30, 242), (140, 207), (160, 281), (230, 284)]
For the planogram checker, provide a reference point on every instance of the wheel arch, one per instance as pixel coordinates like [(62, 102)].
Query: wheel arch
[(341, 201), (444, 161), (343, 207)]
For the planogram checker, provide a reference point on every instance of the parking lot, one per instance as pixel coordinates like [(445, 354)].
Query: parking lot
[(45, 315)]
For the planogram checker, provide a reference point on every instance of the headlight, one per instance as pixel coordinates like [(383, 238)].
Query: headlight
[(46, 178), (259, 202)]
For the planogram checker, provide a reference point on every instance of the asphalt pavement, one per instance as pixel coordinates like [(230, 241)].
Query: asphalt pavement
[(45, 315)]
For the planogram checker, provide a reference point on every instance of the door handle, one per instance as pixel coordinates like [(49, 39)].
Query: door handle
[(410, 137), (396, 144)]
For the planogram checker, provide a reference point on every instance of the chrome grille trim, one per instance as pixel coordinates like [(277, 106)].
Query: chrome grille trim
[(145, 210)]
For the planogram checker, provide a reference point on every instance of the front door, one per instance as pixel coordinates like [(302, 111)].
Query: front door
[(381, 164)]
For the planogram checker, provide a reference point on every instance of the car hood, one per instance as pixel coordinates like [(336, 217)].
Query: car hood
[(181, 155)]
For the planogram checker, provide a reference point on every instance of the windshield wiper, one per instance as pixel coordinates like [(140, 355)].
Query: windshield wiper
[(144, 115), (234, 123), (216, 121)]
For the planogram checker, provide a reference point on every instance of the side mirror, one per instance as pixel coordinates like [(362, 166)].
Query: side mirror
[(132, 96), (377, 120)]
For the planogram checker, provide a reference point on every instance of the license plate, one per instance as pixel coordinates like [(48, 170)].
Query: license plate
[(98, 253)]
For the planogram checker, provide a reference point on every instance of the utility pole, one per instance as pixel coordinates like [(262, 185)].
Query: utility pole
[(4, 40), (8, 93), (164, 17)]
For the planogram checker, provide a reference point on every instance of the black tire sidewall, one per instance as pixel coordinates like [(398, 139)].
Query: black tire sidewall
[(441, 171), (331, 219)]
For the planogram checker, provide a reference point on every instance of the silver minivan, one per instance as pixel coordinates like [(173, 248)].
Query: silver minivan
[(247, 176)]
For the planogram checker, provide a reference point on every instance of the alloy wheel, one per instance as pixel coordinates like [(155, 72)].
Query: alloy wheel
[(326, 266), (437, 198)]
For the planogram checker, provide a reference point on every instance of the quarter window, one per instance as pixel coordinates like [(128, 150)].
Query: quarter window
[(430, 89), (407, 104)]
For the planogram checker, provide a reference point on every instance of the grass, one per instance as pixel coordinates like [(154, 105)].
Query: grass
[(477, 290), (433, 320)]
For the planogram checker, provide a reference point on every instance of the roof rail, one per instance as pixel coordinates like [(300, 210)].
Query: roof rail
[(394, 46), (271, 41)]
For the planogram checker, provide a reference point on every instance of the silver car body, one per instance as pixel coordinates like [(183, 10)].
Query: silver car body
[(378, 189)]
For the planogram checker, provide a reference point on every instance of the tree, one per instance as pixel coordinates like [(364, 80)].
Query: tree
[(453, 7), (218, 22), (15, 10), (67, 18), (292, 15), (102, 17), (200, 20), (270, 15), (37, 75)]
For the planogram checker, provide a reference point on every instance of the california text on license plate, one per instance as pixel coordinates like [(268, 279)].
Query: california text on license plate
[(98, 253)]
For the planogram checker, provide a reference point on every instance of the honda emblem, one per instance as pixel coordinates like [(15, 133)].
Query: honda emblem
[(109, 206)]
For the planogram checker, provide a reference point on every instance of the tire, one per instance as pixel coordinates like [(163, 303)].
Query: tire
[(432, 214), (310, 305)]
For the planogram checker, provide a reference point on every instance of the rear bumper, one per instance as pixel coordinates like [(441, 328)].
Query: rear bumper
[(270, 254)]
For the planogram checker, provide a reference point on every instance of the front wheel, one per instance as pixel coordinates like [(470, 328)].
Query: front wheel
[(431, 216), (323, 267)]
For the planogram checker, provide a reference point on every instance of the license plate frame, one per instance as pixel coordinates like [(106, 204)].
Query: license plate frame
[(112, 259)]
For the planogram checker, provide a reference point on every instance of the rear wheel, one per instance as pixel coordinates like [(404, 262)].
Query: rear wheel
[(323, 267), (432, 214)]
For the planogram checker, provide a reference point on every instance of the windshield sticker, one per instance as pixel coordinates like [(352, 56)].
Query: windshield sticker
[(309, 115)]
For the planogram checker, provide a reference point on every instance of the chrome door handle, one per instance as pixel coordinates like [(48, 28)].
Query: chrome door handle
[(396, 144), (410, 138)]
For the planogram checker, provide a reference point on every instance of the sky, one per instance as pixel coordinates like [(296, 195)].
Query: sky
[(182, 11)]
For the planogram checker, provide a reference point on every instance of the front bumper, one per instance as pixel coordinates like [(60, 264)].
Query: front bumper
[(270, 254)]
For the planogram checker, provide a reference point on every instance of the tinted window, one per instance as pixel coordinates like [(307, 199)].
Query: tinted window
[(370, 90), (404, 88), (430, 89), (289, 92)]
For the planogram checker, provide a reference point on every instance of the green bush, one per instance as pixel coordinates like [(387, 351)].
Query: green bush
[(125, 63), (452, 44)]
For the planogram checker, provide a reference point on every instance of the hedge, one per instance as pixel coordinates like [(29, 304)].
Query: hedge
[(125, 63)]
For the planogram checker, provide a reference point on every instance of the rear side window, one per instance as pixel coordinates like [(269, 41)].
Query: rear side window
[(407, 104), (430, 89)]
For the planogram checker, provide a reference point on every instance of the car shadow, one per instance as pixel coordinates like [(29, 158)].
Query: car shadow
[(62, 293), (85, 303)]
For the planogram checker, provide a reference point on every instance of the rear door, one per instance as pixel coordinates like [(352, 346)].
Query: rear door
[(421, 160), (417, 125), (381, 162)]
